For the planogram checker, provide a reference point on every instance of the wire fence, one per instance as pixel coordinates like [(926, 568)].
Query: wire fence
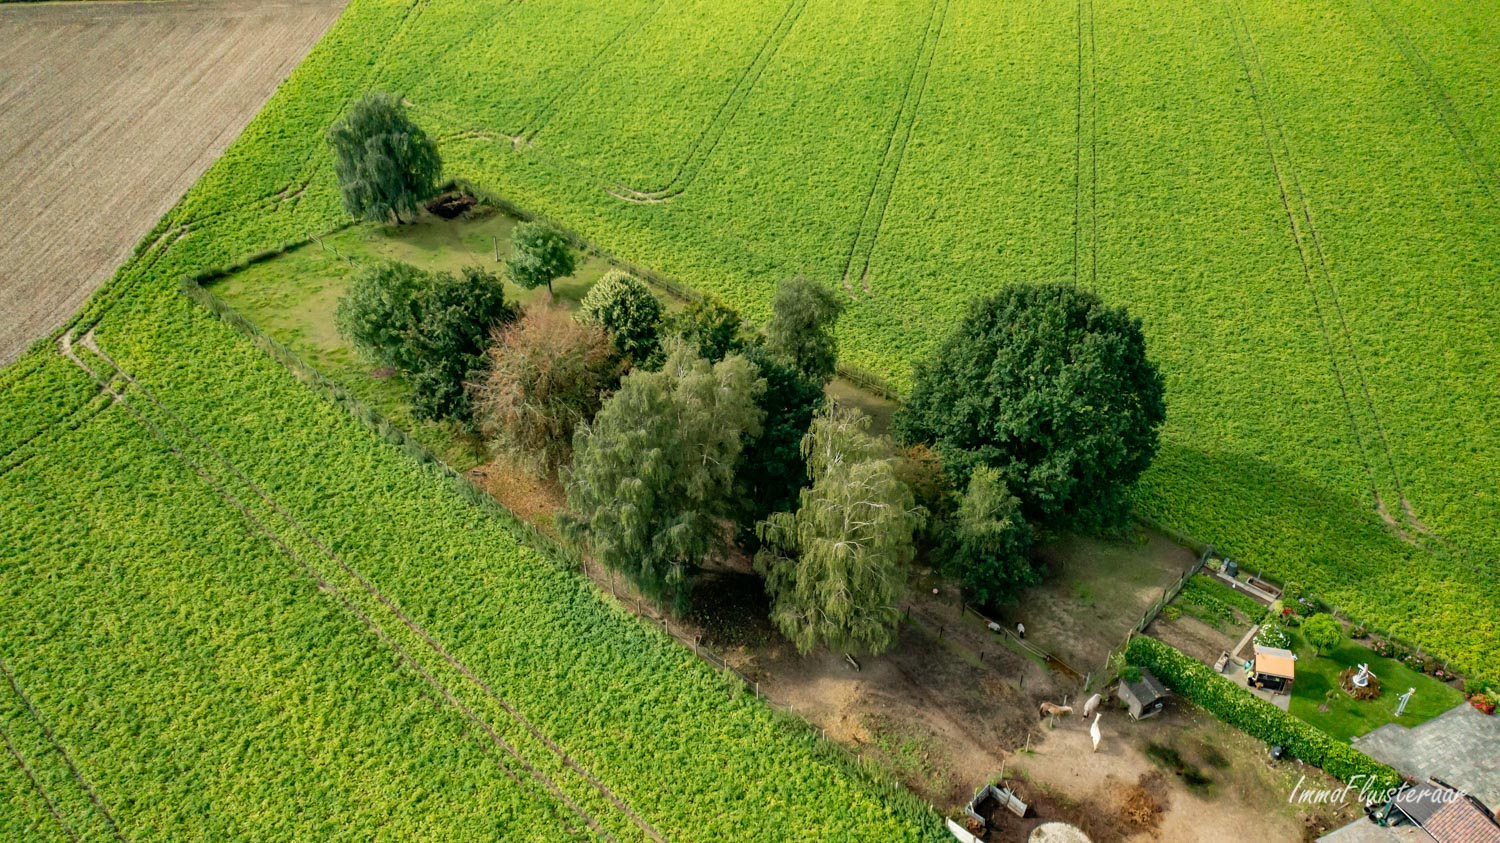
[(549, 548), (1170, 593)]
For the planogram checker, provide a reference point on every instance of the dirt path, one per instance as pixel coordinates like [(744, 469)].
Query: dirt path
[(108, 113), (952, 707)]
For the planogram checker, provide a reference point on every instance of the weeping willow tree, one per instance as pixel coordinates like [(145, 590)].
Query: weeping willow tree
[(386, 165), (836, 568)]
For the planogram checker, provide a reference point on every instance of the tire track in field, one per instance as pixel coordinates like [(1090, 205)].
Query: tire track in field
[(403, 657), (538, 120), (41, 791), (419, 637), (713, 131), (883, 184), (55, 746), (1086, 155), (1485, 171), (26, 450), (1343, 357)]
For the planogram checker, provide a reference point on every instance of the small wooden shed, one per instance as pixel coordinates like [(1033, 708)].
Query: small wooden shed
[(1274, 669), (1145, 697)]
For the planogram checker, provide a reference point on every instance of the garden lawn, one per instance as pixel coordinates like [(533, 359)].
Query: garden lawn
[(1346, 717), (293, 297)]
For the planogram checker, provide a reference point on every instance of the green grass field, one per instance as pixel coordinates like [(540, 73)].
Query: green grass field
[(233, 612), (1346, 717), (294, 297)]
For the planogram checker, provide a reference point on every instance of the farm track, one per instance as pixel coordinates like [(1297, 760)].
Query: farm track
[(52, 808), (708, 140), (47, 743), (539, 119), (111, 112), (519, 742), (1086, 155), (857, 264), (1485, 171), (686, 172), (1364, 420)]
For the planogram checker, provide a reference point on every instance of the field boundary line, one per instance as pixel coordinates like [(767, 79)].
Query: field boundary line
[(57, 746), (539, 119), (883, 182), (41, 791), (1485, 171), (384, 599)]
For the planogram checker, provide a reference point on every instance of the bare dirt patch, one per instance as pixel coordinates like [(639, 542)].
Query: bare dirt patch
[(108, 113), (954, 706), (1095, 591), (1194, 637)]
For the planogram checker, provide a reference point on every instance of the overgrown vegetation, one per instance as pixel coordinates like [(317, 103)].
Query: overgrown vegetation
[(547, 376)]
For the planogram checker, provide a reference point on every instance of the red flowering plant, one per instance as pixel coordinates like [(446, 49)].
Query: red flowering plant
[(1483, 703)]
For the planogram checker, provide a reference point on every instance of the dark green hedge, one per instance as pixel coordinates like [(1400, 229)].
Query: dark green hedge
[(1256, 717)]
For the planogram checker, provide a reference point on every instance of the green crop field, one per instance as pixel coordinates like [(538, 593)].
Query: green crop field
[(233, 612), (1302, 202)]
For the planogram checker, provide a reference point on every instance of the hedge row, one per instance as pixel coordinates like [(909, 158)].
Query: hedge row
[(1256, 717)]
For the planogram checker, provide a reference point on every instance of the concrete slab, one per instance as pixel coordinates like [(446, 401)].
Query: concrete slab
[(1235, 672)]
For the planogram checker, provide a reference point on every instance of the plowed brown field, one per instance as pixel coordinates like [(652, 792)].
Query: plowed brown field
[(108, 113)]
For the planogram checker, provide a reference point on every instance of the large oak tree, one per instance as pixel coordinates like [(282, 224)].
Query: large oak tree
[(1051, 388)]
